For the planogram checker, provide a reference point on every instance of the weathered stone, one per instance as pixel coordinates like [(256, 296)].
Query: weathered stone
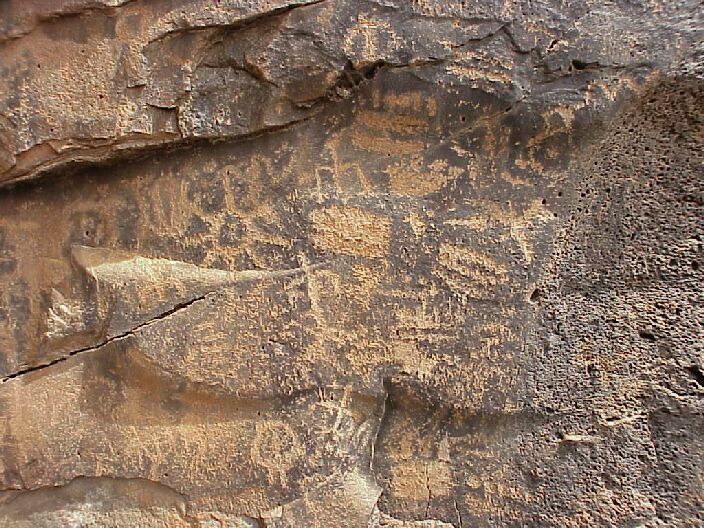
[(351, 263)]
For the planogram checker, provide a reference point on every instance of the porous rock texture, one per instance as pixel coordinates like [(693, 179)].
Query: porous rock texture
[(351, 263)]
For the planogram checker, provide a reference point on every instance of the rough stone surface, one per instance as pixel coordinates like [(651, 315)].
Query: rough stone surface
[(351, 263)]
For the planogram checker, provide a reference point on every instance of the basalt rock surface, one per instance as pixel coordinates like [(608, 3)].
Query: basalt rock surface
[(351, 263)]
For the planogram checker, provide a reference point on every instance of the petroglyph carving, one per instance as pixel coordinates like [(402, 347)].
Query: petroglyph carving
[(363, 264)]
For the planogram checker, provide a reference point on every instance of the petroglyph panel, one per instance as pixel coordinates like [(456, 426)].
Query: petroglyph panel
[(363, 264)]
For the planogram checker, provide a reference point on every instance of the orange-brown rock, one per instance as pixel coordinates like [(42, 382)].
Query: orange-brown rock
[(376, 263)]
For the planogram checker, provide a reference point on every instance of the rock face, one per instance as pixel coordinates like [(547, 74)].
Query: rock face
[(351, 263)]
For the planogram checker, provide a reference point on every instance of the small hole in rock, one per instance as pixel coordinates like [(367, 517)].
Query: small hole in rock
[(697, 374), (579, 65), (647, 335)]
